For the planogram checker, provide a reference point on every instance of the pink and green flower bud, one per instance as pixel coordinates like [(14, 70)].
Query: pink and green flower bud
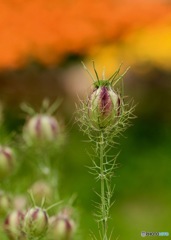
[(40, 190), (13, 225), (62, 227), (41, 127), (7, 161), (5, 203), (35, 222), (103, 106)]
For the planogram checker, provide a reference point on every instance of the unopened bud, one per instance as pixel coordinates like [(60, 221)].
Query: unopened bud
[(41, 127), (62, 227), (7, 161), (5, 202), (13, 225), (40, 190), (103, 106), (35, 222), (19, 202)]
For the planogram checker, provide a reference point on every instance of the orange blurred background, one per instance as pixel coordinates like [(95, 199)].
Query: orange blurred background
[(50, 30), (42, 43)]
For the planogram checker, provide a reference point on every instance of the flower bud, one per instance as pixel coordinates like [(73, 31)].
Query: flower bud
[(13, 225), (40, 190), (41, 128), (19, 202), (103, 106), (5, 203), (7, 161), (35, 222), (62, 227)]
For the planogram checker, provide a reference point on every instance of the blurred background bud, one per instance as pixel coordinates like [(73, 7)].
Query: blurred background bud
[(62, 226), (41, 128), (41, 190), (35, 222), (7, 161), (13, 225), (5, 203), (19, 202)]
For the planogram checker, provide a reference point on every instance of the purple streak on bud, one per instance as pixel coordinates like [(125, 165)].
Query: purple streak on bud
[(7, 161), (119, 106), (105, 101), (35, 213), (38, 126), (8, 156), (66, 220), (103, 106), (7, 221), (68, 225), (46, 217), (53, 125), (20, 215)]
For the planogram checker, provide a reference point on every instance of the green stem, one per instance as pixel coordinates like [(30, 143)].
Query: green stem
[(103, 199)]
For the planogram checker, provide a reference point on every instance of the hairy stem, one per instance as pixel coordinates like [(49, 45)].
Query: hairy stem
[(103, 198)]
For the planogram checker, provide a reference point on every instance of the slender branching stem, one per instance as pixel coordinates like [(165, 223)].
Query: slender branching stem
[(103, 198)]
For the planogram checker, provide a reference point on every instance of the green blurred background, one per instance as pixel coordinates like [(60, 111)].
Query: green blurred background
[(42, 44)]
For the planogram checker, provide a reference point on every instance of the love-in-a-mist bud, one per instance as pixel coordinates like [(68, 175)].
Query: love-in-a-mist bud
[(7, 161), (41, 127), (35, 222), (62, 227), (103, 106), (20, 202), (40, 190), (5, 203), (13, 225)]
